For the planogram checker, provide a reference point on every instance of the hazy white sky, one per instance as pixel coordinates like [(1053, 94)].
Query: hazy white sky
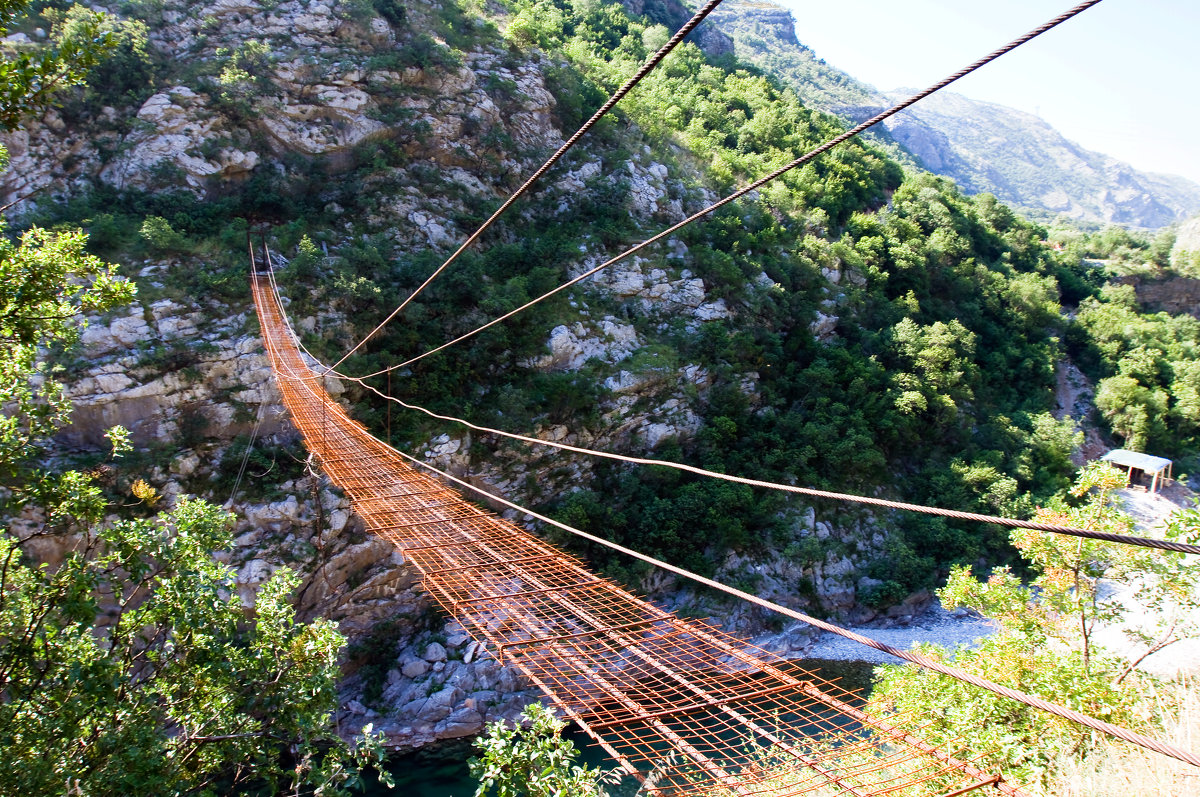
[(1122, 78)]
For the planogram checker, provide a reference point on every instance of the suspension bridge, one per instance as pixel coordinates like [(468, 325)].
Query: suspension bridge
[(679, 704), (676, 701)]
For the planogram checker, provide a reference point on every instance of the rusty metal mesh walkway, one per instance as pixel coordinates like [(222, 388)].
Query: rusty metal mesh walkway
[(679, 701)]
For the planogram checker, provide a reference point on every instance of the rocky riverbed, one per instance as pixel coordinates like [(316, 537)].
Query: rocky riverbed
[(935, 624)]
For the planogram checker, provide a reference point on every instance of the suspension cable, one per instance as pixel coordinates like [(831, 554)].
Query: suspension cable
[(258, 415), (1123, 539), (908, 656), (831, 143), (617, 96)]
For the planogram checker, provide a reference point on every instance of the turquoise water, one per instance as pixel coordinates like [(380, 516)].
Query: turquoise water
[(442, 771)]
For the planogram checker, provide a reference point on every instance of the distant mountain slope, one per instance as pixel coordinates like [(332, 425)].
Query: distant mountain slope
[(985, 147), (1026, 162)]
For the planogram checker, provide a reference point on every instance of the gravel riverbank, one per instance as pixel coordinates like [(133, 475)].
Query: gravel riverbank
[(935, 624)]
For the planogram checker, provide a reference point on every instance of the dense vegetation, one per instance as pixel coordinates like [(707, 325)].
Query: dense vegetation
[(1147, 365), (945, 317), (1048, 642), (945, 342), (533, 760)]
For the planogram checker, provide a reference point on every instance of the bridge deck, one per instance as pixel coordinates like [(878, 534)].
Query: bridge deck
[(696, 709)]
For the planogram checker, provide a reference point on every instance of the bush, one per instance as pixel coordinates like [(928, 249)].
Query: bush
[(535, 761), (161, 236)]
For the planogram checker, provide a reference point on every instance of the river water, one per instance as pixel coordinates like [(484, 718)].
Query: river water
[(442, 770)]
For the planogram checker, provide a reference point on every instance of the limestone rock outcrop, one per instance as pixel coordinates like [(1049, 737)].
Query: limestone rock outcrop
[(172, 130)]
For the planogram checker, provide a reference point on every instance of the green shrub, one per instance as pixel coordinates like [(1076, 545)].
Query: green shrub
[(161, 236)]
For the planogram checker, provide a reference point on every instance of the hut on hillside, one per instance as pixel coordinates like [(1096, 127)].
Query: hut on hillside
[(1141, 467)]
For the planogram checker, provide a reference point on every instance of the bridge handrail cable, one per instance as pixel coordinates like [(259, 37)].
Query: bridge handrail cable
[(925, 662), (1124, 539)]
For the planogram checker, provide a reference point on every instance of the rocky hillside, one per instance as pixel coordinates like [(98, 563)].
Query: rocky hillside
[(764, 34), (1018, 157), (385, 126), (184, 369)]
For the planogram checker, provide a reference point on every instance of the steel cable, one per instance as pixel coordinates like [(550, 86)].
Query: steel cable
[(617, 96), (258, 415), (374, 479), (833, 142), (1124, 539), (914, 658)]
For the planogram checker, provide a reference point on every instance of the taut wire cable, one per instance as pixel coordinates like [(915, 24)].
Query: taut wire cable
[(258, 415), (833, 142), (1124, 539), (564, 639), (620, 93), (1032, 701)]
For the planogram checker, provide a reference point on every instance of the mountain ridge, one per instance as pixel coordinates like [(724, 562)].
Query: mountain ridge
[(1032, 166)]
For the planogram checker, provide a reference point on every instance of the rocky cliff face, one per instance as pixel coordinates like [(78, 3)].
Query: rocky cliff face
[(984, 147), (764, 34), (1167, 293), (673, 13), (316, 96), (1185, 254)]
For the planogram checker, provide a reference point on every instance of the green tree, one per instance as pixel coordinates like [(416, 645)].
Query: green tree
[(532, 761), (128, 666), (130, 669), (938, 373), (1045, 643), (45, 281), (30, 78), (1135, 412), (125, 75)]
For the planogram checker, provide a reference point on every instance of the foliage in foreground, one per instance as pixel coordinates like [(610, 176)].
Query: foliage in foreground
[(128, 665), (1046, 644), (532, 759), (45, 280), (130, 669)]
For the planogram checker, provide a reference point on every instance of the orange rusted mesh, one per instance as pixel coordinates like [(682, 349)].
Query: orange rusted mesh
[(692, 708)]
